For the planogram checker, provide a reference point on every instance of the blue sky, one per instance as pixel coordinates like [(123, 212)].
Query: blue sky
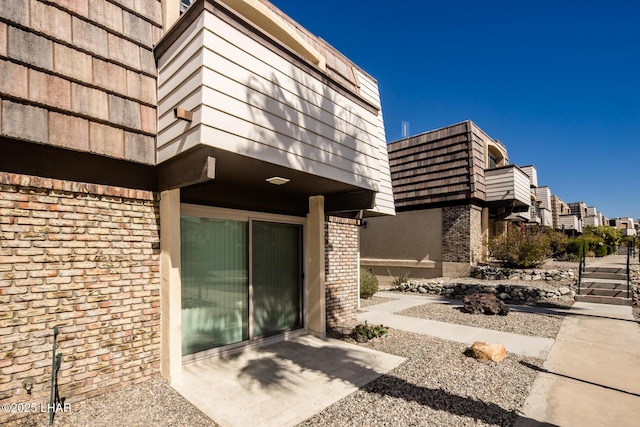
[(558, 82)]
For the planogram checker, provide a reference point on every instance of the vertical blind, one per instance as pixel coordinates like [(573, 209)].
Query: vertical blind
[(214, 270)]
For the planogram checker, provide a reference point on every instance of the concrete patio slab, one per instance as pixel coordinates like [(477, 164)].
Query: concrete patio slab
[(280, 384)]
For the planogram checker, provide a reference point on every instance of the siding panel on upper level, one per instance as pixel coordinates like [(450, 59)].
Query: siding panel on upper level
[(508, 185), (252, 98)]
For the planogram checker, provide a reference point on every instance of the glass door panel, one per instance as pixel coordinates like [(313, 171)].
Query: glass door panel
[(215, 283), (276, 277)]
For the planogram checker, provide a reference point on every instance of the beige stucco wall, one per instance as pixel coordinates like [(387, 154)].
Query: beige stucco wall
[(409, 236)]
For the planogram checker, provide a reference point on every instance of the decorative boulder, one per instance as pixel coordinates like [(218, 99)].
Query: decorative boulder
[(488, 351), (484, 304)]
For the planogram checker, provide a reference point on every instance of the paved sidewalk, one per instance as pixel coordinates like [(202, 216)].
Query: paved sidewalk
[(384, 314), (592, 374)]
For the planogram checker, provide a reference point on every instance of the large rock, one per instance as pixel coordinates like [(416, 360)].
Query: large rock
[(484, 304), (488, 351)]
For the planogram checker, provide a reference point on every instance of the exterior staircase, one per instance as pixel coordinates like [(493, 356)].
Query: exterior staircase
[(604, 285)]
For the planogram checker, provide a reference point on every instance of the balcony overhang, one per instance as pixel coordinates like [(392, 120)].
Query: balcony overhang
[(217, 177), (507, 187)]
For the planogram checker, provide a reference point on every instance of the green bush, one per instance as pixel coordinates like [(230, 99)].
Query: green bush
[(601, 250), (367, 332), (368, 283), (521, 248)]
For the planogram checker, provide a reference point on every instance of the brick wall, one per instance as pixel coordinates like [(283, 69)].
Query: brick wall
[(341, 269), (83, 257), (456, 233), (477, 242)]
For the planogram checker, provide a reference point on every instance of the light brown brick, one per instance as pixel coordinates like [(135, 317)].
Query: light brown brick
[(3, 39), (147, 61), (124, 112), (141, 87), (49, 90), (68, 131), (109, 76), (24, 122), (136, 28), (81, 7), (15, 11), (123, 51), (30, 48), (150, 9), (89, 101), (148, 119), (13, 79), (15, 368), (106, 13), (51, 21), (106, 140), (72, 63), (90, 37), (139, 148)]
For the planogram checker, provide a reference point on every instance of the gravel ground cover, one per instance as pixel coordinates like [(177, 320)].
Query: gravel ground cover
[(546, 324), (436, 386), (150, 404)]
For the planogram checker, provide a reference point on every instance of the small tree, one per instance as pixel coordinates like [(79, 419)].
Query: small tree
[(521, 248)]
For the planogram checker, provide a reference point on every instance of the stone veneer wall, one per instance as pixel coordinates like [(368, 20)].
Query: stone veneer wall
[(85, 258), (341, 269), (475, 234), (456, 234)]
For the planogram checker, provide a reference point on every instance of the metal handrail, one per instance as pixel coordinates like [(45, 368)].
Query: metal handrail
[(629, 269), (581, 267)]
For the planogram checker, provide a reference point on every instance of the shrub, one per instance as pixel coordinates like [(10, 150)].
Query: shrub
[(367, 332), (402, 278), (601, 250), (520, 248), (558, 242), (368, 283)]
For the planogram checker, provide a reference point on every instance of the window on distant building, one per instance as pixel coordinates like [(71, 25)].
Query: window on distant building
[(184, 4)]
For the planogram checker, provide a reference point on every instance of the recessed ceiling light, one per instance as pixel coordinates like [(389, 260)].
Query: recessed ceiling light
[(277, 180)]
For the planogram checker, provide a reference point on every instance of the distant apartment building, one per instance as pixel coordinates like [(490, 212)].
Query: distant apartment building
[(453, 189), (543, 205), (628, 226), (563, 218), (593, 217), (579, 209)]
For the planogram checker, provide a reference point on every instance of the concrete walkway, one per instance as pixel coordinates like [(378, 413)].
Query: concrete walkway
[(384, 314), (592, 374)]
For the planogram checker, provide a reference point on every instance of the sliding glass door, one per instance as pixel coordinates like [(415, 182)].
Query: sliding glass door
[(215, 302), (241, 280), (277, 274)]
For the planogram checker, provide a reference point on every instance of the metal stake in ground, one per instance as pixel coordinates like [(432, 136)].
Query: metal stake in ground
[(55, 365)]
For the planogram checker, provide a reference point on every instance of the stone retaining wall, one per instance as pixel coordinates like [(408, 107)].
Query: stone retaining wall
[(510, 293), (490, 272)]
